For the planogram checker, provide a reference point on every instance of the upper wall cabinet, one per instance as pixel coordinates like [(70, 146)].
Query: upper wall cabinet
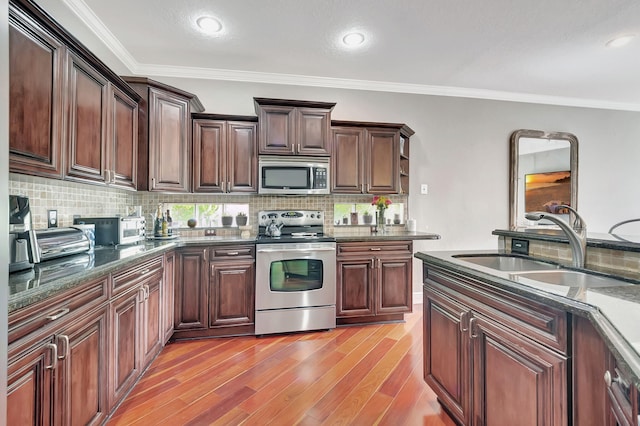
[(164, 135), (224, 153), (37, 72), (370, 158), (289, 127), (71, 117)]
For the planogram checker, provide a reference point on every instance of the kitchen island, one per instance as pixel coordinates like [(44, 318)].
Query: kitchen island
[(499, 345)]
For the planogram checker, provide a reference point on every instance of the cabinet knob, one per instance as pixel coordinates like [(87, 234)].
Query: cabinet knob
[(607, 378)]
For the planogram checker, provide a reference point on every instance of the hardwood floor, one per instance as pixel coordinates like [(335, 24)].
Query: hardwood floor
[(361, 375)]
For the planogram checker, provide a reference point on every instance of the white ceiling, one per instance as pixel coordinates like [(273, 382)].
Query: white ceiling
[(543, 51)]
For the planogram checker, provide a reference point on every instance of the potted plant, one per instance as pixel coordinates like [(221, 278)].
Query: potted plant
[(241, 219), (227, 220), (367, 218)]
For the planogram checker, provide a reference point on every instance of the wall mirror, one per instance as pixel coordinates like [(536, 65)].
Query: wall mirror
[(544, 174)]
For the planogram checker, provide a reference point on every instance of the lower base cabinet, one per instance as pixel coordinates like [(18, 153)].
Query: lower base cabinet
[(493, 369), (374, 281), (215, 291)]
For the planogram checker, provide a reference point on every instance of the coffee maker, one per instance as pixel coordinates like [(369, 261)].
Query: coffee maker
[(23, 245)]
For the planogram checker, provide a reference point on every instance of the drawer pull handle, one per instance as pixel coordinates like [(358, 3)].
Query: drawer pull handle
[(59, 314), (54, 356), (375, 249), (144, 272), (232, 253), (66, 346)]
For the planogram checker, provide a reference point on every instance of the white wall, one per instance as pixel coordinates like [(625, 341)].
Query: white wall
[(4, 195)]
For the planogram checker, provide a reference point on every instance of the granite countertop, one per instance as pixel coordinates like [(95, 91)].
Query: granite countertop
[(614, 311), (594, 239), (56, 275)]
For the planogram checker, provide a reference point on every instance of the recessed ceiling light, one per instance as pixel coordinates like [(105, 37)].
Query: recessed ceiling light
[(353, 39), (620, 41), (209, 24)]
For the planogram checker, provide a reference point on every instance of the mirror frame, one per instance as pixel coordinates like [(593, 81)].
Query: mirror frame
[(513, 167)]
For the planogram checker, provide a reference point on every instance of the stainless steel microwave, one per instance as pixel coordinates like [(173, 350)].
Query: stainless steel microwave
[(293, 175)]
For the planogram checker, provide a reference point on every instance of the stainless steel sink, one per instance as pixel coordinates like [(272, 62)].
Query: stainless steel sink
[(507, 262), (570, 278)]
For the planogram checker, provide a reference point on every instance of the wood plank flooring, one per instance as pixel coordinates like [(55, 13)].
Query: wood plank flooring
[(361, 375)]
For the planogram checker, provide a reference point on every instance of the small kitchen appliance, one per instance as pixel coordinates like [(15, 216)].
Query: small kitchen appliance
[(59, 242), (295, 272), (23, 245), (116, 230)]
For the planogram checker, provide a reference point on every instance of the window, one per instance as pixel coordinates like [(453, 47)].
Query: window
[(206, 215), (353, 213)]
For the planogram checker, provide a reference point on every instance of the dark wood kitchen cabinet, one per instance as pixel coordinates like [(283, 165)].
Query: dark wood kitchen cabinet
[(374, 281), (232, 288), (36, 91), (290, 127), (164, 135), (215, 291), (370, 158), (135, 323), (63, 104), (225, 154), (492, 357), (192, 281), (57, 359)]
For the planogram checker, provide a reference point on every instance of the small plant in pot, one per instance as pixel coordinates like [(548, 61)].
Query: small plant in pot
[(227, 220), (241, 219), (367, 218)]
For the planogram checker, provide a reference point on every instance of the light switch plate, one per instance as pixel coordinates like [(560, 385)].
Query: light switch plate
[(424, 189)]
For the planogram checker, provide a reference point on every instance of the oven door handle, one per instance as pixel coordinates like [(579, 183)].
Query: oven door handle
[(283, 250)]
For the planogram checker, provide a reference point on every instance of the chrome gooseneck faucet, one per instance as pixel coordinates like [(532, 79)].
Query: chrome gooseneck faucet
[(576, 233)]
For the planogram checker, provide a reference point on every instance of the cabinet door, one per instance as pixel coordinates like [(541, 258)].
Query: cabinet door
[(313, 132), (242, 157), (152, 335), (355, 287), (382, 162), (394, 285), (125, 354), (168, 295), (169, 150), (515, 380), (82, 374), (347, 162), (191, 290), (446, 353), (231, 293), (209, 174), (36, 82), (123, 140), (277, 130), (29, 386), (87, 127)]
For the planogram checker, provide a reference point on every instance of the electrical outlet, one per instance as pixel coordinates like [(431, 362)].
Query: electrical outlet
[(209, 232), (424, 189), (52, 218)]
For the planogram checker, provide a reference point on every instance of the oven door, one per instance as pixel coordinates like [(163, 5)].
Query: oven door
[(294, 275)]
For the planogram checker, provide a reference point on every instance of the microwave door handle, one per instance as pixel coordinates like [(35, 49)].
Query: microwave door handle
[(312, 181)]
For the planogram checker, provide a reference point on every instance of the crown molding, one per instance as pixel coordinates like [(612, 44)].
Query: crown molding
[(91, 20), (84, 12)]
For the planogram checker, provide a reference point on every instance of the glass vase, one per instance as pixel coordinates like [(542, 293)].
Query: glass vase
[(380, 221)]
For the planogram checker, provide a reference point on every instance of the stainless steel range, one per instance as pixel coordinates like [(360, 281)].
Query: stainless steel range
[(295, 273)]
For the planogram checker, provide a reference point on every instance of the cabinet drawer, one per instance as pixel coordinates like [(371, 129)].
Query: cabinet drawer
[(400, 248), (232, 252), (57, 309), (535, 320), (123, 280)]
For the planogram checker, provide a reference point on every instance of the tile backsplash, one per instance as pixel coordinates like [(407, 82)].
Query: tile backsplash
[(70, 198)]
